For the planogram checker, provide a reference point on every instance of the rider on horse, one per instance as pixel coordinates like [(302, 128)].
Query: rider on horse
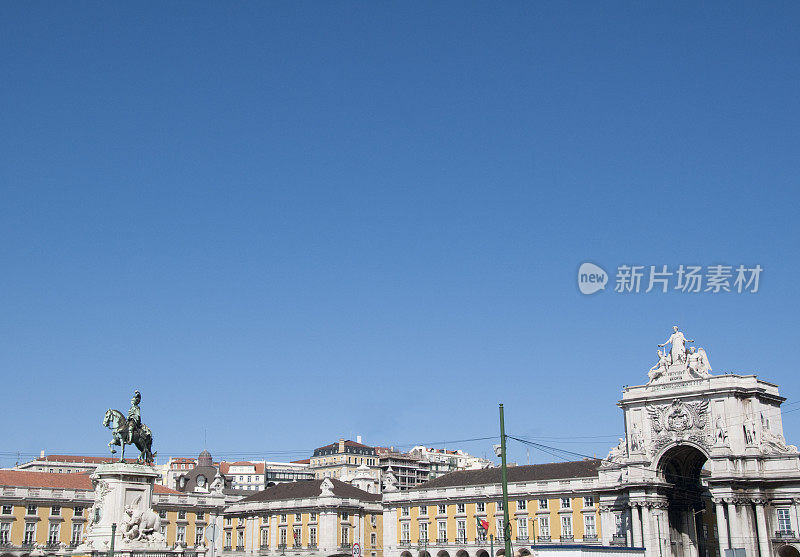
[(134, 417)]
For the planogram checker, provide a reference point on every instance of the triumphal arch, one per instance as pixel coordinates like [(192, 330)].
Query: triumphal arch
[(704, 466)]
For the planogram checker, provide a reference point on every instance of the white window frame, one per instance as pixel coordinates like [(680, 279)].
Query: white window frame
[(590, 525), (480, 507), (312, 536), (566, 526), (180, 535), (405, 532), (588, 502), (5, 532), (544, 526), (543, 504), (566, 503), (53, 532), (423, 531), (784, 519), (77, 534), (441, 530), (522, 527)]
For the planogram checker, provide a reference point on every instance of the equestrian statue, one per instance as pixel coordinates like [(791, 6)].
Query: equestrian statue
[(130, 431)]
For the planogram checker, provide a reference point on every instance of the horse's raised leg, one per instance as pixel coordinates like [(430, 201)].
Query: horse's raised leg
[(113, 451)]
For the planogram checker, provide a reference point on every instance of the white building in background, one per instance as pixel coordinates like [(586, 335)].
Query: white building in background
[(66, 464), (443, 461)]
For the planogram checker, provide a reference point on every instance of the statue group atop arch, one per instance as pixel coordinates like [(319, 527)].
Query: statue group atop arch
[(680, 362)]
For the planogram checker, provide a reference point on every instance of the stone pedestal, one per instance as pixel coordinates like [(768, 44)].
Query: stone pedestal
[(123, 495)]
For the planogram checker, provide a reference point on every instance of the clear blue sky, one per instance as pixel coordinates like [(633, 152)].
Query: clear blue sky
[(291, 222)]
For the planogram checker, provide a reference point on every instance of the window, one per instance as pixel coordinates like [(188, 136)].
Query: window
[(461, 508), (542, 503), (423, 531), (566, 526), (5, 529), (373, 520), (282, 539), (55, 510), (298, 517), (589, 526), (405, 511), (373, 539), (499, 532), (784, 522), (198, 537), (442, 509), (442, 537), (77, 511), (7, 509), (522, 528), (480, 507), (404, 532), (199, 516), (566, 502), (30, 533), (588, 501), (461, 530), (345, 516), (227, 536), (76, 534), (312, 536), (181, 535), (296, 535), (240, 538), (53, 532), (181, 515), (423, 510), (345, 536), (544, 527), (31, 509), (283, 518), (499, 506), (228, 520), (265, 537), (162, 513), (522, 505)]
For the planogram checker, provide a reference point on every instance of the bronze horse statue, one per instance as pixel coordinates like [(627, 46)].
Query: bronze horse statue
[(142, 436)]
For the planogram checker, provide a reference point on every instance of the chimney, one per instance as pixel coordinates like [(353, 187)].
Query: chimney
[(341, 445), (41, 454), (358, 439)]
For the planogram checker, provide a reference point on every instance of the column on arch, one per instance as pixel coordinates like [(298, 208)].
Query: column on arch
[(636, 526), (722, 526)]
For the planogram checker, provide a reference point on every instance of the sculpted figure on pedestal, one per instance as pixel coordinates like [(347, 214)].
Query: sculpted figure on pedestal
[(720, 433), (697, 362), (677, 344), (618, 452), (660, 368), (138, 524)]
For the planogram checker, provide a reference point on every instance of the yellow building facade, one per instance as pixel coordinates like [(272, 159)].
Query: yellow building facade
[(461, 514), (319, 517), (48, 513)]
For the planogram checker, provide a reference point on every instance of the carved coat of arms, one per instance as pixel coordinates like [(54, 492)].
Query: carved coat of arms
[(679, 421)]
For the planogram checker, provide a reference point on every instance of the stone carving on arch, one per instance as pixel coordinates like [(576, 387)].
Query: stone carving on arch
[(679, 421)]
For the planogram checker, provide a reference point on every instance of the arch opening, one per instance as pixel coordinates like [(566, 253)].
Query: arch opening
[(482, 553), (443, 553), (688, 500), (788, 551), (462, 553)]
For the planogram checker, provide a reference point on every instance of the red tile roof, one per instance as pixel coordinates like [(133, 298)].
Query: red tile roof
[(304, 461), (51, 480), (24, 478), (81, 459), (224, 467)]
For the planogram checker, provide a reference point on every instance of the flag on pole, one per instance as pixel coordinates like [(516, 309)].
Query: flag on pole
[(482, 524)]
